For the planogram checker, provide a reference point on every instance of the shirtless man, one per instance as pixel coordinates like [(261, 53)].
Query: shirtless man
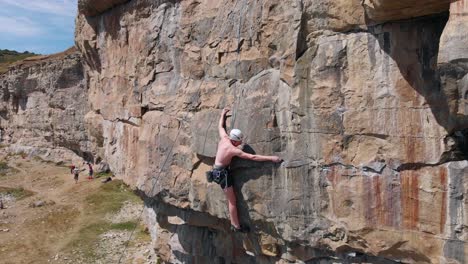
[(227, 149)]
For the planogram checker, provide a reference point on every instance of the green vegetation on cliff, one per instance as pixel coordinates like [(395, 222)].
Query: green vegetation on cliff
[(7, 57)]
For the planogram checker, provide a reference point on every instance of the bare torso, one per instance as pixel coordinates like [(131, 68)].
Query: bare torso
[(226, 151)]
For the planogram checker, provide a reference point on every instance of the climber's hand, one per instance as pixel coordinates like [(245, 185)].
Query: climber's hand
[(225, 111), (276, 159)]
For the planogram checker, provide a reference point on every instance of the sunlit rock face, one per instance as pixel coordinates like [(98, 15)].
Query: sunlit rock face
[(390, 10), (43, 103), (374, 152)]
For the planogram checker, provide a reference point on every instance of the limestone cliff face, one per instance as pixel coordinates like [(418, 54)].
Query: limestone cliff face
[(43, 101), (369, 115)]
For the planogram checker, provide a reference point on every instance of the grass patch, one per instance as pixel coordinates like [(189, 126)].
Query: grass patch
[(5, 169), (60, 219), (17, 193), (4, 166), (103, 174), (7, 57), (22, 154), (89, 235), (109, 198), (87, 238), (128, 226), (143, 234)]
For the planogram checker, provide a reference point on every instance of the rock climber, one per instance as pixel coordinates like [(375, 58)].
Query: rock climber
[(228, 147)]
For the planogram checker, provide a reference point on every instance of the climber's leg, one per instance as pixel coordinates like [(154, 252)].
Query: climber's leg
[(231, 197)]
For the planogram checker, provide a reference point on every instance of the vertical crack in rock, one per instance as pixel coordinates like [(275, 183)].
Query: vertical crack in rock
[(302, 44)]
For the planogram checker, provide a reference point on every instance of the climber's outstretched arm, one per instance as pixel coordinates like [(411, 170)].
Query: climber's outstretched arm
[(243, 155)]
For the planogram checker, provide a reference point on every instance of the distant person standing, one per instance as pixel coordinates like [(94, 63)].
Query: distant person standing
[(91, 171), (76, 172)]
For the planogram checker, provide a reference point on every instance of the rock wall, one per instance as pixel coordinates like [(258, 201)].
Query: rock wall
[(43, 101), (367, 114)]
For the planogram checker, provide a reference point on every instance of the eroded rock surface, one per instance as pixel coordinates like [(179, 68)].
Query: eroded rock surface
[(359, 110), (43, 103)]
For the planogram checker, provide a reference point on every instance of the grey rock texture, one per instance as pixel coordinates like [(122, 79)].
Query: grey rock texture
[(43, 101), (364, 112)]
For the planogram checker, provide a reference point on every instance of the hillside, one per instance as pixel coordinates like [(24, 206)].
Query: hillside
[(7, 57)]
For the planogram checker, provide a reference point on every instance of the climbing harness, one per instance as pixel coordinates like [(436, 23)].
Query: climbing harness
[(220, 175)]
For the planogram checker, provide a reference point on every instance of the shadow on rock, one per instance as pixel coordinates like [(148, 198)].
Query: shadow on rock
[(414, 47)]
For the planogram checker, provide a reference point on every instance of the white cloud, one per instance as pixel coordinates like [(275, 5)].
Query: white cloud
[(54, 7), (18, 26)]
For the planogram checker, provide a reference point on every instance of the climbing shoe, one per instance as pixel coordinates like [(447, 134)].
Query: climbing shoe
[(242, 229)]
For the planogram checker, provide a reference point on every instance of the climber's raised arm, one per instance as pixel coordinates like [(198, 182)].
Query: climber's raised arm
[(222, 123)]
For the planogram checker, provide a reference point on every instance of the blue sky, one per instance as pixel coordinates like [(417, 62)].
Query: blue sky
[(40, 26)]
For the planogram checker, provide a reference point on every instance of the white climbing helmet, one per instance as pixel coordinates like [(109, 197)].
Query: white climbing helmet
[(236, 135)]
